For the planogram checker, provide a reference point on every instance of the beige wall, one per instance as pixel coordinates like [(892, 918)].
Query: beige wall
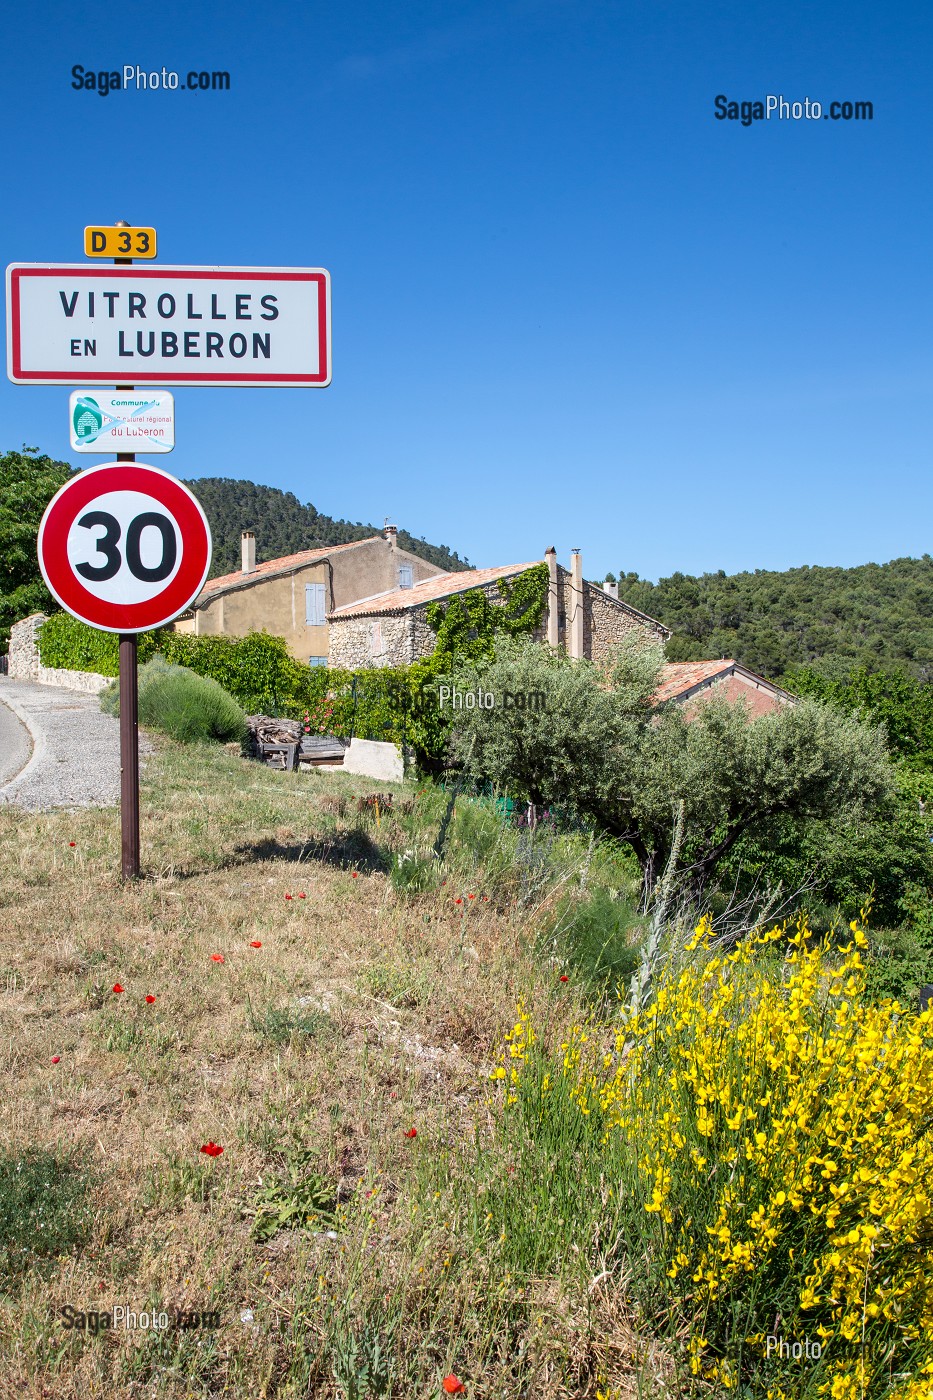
[(274, 605)]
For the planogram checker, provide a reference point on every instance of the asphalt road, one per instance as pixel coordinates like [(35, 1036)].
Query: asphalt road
[(75, 758)]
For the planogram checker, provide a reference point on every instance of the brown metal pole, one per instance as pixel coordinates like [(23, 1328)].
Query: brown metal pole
[(129, 757), (129, 723)]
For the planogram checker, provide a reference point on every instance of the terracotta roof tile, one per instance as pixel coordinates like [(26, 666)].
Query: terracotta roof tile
[(399, 600), (677, 677), (278, 566)]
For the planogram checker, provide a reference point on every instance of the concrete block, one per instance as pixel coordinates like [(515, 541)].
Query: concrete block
[(371, 758)]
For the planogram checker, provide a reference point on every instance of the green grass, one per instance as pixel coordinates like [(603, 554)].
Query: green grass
[(281, 1024), (45, 1207)]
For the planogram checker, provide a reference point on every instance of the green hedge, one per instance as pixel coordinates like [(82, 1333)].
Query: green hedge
[(398, 704)]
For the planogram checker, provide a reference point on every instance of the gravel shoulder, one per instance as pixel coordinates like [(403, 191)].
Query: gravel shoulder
[(75, 759)]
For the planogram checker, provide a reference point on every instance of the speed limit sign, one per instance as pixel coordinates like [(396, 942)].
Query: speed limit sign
[(124, 547)]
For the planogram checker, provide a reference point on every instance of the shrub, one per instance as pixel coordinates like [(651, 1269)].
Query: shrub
[(43, 1207), (768, 1136), (186, 706)]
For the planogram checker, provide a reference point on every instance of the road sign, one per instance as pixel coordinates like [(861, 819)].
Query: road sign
[(120, 242), (124, 547), (74, 324), (104, 421)]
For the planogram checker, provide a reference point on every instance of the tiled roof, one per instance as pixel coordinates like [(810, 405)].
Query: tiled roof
[(278, 566), (399, 600), (677, 677)]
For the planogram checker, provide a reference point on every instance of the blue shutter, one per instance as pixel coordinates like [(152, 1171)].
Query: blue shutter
[(405, 578), (314, 604)]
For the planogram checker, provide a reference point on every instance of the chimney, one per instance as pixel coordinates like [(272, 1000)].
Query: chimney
[(391, 533), (553, 599), (576, 605), (248, 552), (612, 589)]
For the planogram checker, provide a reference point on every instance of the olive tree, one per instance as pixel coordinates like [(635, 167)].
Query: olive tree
[(592, 740)]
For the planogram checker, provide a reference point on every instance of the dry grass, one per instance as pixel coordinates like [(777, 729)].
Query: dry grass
[(363, 1014)]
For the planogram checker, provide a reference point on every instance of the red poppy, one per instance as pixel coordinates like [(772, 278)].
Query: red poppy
[(564, 977), (355, 875), (150, 1000), (452, 1385), (288, 896), (212, 1149), (302, 895), (117, 988), (255, 943), (72, 843), (458, 900), (486, 897), (412, 1133), (471, 896), (56, 1059), (217, 957)]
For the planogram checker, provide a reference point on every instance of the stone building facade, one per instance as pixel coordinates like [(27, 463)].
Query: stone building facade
[(392, 629)]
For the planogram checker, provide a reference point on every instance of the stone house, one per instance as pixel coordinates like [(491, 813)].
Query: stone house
[(392, 629), (688, 683), (292, 597)]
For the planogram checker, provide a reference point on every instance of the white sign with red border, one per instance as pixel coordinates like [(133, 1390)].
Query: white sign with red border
[(241, 326), (124, 547)]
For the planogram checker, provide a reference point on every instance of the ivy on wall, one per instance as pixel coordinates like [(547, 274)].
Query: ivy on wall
[(468, 624)]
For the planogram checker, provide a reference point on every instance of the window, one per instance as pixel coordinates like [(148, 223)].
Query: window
[(317, 660), (314, 605), (405, 578)]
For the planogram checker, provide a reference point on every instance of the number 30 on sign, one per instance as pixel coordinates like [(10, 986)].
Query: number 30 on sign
[(124, 547)]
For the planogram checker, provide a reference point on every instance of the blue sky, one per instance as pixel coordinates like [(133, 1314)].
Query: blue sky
[(569, 305)]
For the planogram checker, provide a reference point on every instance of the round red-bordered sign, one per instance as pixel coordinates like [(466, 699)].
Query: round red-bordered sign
[(124, 547)]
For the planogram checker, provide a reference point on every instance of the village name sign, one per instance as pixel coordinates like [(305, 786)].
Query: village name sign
[(168, 325)]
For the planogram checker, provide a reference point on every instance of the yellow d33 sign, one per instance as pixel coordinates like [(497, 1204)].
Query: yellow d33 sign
[(120, 242)]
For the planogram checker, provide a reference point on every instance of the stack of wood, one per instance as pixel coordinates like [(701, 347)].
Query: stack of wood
[(282, 743)]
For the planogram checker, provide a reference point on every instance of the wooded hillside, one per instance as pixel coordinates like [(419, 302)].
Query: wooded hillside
[(831, 619), (284, 526)]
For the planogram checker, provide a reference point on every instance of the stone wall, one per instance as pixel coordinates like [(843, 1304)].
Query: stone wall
[(24, 663), (606, 622), (357, 642)]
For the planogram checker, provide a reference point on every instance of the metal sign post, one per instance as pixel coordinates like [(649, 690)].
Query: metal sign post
[(129, 709)]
